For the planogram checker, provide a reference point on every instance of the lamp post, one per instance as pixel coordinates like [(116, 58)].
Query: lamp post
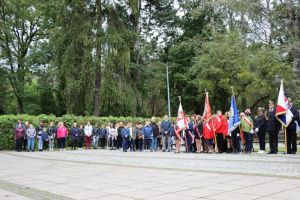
[(168, 90), (278, 78)]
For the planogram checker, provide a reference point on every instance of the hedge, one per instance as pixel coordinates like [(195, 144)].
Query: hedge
[(8, 123)]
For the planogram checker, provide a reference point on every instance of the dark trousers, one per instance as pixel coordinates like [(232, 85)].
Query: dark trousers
[(45, 145), (291, 140), (102, 142), (248, 142), (262, 140), (140, 144), (220, 142), (273, 140), (236, 145), (124, 144), (62, 143), (19, 143), (119, 143), (132, 145), (189, 147), (80, 141), (147, 144), (74, 143), (113, 143), (25, 144)]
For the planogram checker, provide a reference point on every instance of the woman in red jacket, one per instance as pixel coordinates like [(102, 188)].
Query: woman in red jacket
[(208, 134)]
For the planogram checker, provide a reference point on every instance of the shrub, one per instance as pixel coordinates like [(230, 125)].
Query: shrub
[(8, 123)]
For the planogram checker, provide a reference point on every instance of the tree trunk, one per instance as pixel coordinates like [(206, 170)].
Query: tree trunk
[(98, 59)]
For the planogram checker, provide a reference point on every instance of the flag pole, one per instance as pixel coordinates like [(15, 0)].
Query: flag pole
[(285, 139), (183, 131)]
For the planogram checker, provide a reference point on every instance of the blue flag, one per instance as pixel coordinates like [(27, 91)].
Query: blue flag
[(234, 118)]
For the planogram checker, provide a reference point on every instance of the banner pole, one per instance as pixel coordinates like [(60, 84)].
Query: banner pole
[(285, 140)]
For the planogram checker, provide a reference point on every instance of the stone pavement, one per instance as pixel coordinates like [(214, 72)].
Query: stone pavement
[(103, 174)]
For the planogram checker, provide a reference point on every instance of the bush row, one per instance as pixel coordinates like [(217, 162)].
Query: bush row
[(8, 123)]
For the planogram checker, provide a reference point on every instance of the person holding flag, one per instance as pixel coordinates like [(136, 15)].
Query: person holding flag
[(247, 129), (284, 115), (180, 127), (208, 126), (273, 127), (234, 125), (291, 134)]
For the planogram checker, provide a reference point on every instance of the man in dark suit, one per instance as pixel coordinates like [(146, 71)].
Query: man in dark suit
[(291, 130), (273, 127)]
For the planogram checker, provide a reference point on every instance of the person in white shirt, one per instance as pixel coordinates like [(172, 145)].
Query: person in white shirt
[(88, 131)]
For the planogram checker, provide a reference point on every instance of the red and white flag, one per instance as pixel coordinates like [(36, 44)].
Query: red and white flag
[(207, 110), (283, 113), (181, 121)]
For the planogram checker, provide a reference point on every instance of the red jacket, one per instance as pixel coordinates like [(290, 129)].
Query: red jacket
[(221, 125), (208, 132)]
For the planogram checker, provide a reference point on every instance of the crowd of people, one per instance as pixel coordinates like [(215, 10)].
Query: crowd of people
[(200, 135)]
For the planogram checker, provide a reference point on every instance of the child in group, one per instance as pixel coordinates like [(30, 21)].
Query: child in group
[(208, 135), (40, 139), (113, 137), (45, 139), (51, 136), (19, 134), (31, 133), (80, 137)]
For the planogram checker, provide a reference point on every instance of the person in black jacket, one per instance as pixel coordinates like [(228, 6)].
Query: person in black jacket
[(155, 129), (291, 130), (273, 127), (260, 129)]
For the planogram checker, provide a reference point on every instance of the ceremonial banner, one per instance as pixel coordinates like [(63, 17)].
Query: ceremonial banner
[(181, 121), (234, 118), (207, 109), (283, 113)]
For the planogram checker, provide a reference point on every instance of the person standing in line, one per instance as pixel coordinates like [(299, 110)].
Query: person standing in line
[(19, 134), (88, 131), (220, 123), (74, 136), (177, 136), (31, 133), (51, 136), (291, 129), (62, 133), (120, 127), (39, 138), (96, 135), (247, 128), (198, 130), (133, 136), (208, 135), (80, 137), (125, 137), (45, 139), (113, 133), (139, 136), (26, 126), (273, 127), (166, 138), (147, 135), (155, 130), (260, 129), (103, 137)]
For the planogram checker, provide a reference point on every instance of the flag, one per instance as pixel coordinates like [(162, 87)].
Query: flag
[(181, 121), (234, 119), (207, 109), (283, 113)]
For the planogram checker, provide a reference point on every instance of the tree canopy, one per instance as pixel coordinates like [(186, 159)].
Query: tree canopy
[(109, 57)]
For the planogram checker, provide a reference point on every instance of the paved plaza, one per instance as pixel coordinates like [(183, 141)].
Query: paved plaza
[(103, 174)]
